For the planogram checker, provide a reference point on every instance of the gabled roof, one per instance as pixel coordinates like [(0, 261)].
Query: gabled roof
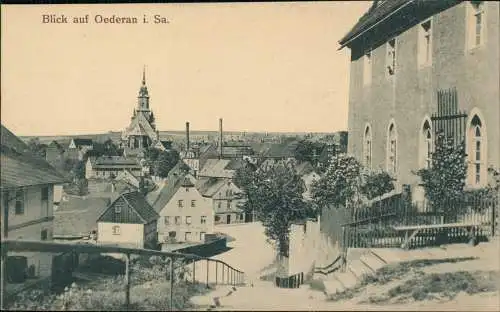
[(208, 187), (139, 210), (82, 142), (171, 186), (377, 12), (138, 130), (20, 167), (235, 164), (216, 168), (141, 121)]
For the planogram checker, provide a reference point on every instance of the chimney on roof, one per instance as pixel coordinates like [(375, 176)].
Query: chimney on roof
[(220, 138), (187, 136)]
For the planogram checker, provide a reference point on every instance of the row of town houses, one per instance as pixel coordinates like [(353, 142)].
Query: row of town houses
[(182, 208)]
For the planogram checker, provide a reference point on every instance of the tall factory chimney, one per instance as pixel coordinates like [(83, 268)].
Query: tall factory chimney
[(187, 136), (220, 138)]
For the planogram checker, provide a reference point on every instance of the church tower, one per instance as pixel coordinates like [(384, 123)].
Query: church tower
[(143, 98), (141, 133)]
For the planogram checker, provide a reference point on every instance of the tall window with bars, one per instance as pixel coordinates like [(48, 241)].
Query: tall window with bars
[(392, 150), (426, 147), (367, 148), (477, 152)]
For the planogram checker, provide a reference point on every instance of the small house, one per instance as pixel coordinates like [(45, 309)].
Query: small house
[(128, 221)]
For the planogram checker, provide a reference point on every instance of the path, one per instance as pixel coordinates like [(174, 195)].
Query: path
[(250, 252)]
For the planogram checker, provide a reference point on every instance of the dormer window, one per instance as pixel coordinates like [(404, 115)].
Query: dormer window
[(391, 57)]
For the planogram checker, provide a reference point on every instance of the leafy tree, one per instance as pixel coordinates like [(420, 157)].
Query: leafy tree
[(341, 183), (107, 148), (78, 170), (161, 162), (309, 151), (377, 184), (276, 195), (244, 179), (444, 181), (82, 186)]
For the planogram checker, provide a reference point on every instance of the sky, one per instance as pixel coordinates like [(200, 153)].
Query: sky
[(260, 66)]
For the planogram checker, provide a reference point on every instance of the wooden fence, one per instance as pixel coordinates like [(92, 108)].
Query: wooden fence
[(374, 225), (233, 276)]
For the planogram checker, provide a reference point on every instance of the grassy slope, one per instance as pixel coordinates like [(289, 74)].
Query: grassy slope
[(407, 282)]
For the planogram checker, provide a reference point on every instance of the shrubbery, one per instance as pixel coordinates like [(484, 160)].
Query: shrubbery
[(150, 289)]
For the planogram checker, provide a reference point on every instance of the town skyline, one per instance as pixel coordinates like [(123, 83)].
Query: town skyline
[(96, 74)]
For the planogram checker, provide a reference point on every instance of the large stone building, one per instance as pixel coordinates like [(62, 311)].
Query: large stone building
[(418, 67)]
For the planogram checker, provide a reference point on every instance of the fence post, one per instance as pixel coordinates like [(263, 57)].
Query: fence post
[(494, 206), (171, 283), (194, 271), (127, 280), (4, 278), (223, 267), (216, 271), (207, 271)]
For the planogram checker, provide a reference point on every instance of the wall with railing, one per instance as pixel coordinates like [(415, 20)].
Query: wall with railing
[(374, 225), (204, 270)]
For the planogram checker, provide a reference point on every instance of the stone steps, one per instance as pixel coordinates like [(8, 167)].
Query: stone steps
[(366, 263), (359, 269), (372, 261)]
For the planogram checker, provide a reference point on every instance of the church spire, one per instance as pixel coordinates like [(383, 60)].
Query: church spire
[(143, 98), (144, 75)]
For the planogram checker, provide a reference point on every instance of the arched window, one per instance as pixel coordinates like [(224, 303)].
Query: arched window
[(367, 147), (392, 150), (477, 152), (426, 145)]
